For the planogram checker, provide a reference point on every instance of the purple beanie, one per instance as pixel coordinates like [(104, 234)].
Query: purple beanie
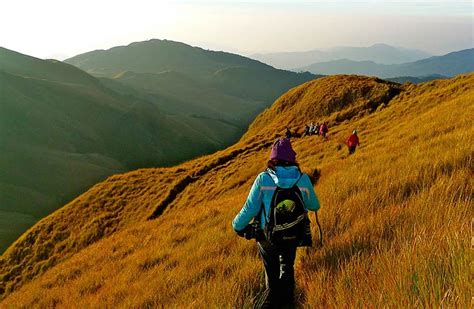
[(282, 150)]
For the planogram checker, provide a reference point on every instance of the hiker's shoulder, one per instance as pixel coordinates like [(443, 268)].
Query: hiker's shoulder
[(263, 174), (304, 180), (264, 177)]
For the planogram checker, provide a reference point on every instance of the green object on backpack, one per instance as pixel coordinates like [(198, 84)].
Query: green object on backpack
[(286, 206)]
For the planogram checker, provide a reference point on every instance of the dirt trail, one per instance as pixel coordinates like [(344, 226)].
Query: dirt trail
[(181, 185)]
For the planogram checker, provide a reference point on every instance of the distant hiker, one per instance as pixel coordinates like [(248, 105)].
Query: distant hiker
[(306, 130), (288, 133), (277, 203), (323, 130), (352, 142), (316, 128), (311, 128)]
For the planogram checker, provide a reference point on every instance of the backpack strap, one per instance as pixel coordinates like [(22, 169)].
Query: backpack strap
[(262, 208), (264, 213)]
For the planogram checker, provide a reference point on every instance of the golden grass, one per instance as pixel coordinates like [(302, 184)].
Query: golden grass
[(396, 217)]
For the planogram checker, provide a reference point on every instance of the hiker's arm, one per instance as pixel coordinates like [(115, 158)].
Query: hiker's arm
[(310, 199), (251, 207)]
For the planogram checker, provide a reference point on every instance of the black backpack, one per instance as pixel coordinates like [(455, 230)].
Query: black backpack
[(288, 224)]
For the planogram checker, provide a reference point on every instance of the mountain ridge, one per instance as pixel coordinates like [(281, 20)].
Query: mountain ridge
[(380, 53), (17, 63), (451, 64), (207, 66), (152, 65)]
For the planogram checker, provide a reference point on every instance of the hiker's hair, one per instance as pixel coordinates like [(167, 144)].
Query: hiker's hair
[(275, 162)]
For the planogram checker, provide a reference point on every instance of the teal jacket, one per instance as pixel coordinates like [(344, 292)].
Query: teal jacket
[(262, 192)]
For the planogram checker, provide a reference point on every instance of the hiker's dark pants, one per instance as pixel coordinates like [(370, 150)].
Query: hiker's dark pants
[(352, 149), (279, 274)]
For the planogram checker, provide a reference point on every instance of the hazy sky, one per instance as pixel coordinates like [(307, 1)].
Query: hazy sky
[(64, 28)]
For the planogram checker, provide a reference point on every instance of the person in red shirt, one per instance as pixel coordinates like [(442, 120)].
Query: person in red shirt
[(352, 142), (323, 130)]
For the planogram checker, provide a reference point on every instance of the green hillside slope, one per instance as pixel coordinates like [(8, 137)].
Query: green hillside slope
[(52, 70), (62, 130), (177, 93)]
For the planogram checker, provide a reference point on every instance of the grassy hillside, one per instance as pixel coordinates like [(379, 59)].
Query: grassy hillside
[(451, 64), (52, 70), (335, 99), (61, 131), (396, 215), (179, 94)]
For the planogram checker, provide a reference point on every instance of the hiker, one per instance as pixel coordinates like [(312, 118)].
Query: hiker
[(352, 142), (288, 133), (282, 178), (316, 128), (306, 130), (323, 130), (311, 129)]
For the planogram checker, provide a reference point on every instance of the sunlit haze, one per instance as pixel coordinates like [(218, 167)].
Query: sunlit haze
[(61, 29)]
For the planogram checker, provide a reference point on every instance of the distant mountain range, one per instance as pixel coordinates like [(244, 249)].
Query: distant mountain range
[(447, 65), (379, 53), (416, 80), (166, 68), (155, 103)]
